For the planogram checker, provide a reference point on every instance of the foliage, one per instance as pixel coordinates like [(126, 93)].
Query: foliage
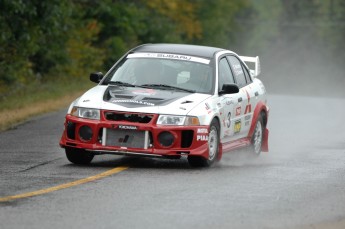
[(218, 21), (61, 40), (32, 38)]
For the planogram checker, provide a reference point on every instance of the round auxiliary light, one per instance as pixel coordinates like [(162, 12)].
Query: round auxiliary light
[(166, 138), (85, 133)]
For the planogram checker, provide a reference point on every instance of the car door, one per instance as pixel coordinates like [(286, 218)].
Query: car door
[(231, 104), (249, 98)]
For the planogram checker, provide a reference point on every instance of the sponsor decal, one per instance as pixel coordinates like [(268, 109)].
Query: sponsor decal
[(202, 131), (248, 109), (124, 127), (248, 96), (238, 111), (173, 56), (202, 137), (237, 126), (132, 101), (169, 56), (126, 139), (237, 69), (144, 92), (247, 119), (207, 106), (248, 106), (229, 102)]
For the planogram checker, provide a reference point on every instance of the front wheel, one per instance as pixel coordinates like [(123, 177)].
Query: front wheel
[(257, 136), (78, 156), (213, 148)]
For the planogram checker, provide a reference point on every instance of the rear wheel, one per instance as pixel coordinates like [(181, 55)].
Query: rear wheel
[(257, 136), (213, 148), (78, 156)]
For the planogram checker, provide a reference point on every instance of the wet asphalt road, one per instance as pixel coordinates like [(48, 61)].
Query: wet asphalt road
[(300, 183)]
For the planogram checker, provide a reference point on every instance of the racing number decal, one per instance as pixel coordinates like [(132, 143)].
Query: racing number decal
[(237, 127)]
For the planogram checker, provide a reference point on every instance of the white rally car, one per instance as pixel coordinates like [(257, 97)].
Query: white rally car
[(170, 100)]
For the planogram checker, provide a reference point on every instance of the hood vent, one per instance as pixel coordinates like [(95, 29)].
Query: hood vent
[(123, 96), (152, 99)]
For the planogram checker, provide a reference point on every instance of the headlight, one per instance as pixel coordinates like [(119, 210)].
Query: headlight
[(177, 120), (89, 113)]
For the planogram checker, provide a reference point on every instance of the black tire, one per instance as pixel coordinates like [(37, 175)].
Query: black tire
[(78, 156), (256, 141), (213, 145)]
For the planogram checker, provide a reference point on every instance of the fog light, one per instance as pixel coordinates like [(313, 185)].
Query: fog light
[(166, 139), (85, 133)]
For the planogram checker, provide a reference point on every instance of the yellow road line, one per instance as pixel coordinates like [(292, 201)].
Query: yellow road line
[(66, 185)]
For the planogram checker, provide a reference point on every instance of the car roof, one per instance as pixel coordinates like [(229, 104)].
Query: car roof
[(184, 49)]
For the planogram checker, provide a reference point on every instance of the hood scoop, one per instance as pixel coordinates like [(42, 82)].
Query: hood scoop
[(132, 97)]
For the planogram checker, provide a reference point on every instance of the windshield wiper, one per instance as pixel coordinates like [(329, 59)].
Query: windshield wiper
[(120, 83), (165, 86)]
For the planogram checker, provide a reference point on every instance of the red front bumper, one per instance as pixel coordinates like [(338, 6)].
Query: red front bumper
[(187, 140)]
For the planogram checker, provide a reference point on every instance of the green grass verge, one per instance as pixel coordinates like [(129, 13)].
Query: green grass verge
[(31, 100)]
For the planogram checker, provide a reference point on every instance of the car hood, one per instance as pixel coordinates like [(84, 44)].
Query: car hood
[(134, 99)]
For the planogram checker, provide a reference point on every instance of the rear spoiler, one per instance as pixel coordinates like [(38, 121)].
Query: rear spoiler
[(254, 60)]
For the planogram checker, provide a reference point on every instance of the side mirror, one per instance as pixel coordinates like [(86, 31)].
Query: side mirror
[(229, 89), (96, 77)]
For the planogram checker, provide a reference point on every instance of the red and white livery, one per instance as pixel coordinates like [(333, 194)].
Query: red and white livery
[(170, 100)]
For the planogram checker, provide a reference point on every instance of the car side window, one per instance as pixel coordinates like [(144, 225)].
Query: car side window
[(236, 67), (224, 73), (246, 73)]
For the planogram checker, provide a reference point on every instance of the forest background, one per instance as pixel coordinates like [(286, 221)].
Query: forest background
[(49, 48)]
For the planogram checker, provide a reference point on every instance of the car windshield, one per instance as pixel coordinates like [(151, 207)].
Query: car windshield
[(165, 74)]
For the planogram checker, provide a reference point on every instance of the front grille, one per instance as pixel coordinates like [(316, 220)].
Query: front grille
[(126, 138), (128, 117)]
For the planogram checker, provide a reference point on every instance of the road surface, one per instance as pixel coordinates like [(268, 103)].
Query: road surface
[(300, 183)]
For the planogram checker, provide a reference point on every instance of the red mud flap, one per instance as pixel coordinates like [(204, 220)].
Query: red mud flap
[(264, 147)]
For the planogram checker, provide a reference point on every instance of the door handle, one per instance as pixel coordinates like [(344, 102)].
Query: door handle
[(256, 93), (240, 99)]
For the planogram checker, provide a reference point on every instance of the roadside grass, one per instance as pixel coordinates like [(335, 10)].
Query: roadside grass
[(37, 99)]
